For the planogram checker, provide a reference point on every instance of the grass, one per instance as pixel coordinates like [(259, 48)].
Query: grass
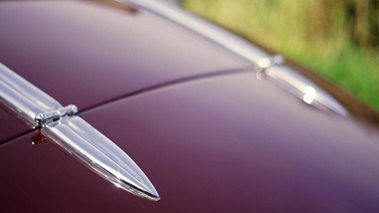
[(300, 30)]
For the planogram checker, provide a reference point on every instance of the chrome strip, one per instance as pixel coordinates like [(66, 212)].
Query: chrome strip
[(73, 134), (22, 106), (27, 89), (305, 90), (23, 97), (283, 76)]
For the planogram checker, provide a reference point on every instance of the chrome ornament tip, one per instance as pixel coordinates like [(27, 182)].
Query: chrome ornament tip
[(73, 134), (147, 192), (101, 155)]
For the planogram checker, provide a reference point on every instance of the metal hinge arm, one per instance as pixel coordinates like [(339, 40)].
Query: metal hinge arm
[(47, 118)]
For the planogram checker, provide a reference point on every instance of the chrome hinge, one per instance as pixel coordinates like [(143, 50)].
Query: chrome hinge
[(265, 63), (48, 118)]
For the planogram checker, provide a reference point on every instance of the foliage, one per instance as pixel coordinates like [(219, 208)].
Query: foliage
[(339, 39)]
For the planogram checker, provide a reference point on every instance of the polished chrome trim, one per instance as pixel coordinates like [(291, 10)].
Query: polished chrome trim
[(264, 63), (304, 89), (23, 97), (73, 134), (101, 155), (282, 75)]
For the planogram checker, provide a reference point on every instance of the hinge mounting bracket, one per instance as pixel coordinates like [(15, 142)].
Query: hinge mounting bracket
[(52, 117)]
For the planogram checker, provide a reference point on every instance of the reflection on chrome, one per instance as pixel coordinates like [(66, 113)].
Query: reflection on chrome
[(72, 133), (305, 89), (265, 63), (117, 185), (310, 93)]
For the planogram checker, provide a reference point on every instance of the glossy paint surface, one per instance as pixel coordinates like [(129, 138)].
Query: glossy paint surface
[(10, 126), (220, 143), (212, 145), (86, 54)]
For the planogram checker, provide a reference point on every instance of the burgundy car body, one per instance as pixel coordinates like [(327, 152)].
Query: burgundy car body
[(191, 113)]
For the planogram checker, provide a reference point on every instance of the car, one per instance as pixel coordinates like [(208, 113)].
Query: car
[(140, 106)]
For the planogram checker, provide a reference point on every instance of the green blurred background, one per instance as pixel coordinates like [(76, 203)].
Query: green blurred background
[(338, 39)]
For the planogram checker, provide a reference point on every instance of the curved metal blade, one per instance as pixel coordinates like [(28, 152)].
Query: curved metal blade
[(72, 133), (101, 155)]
